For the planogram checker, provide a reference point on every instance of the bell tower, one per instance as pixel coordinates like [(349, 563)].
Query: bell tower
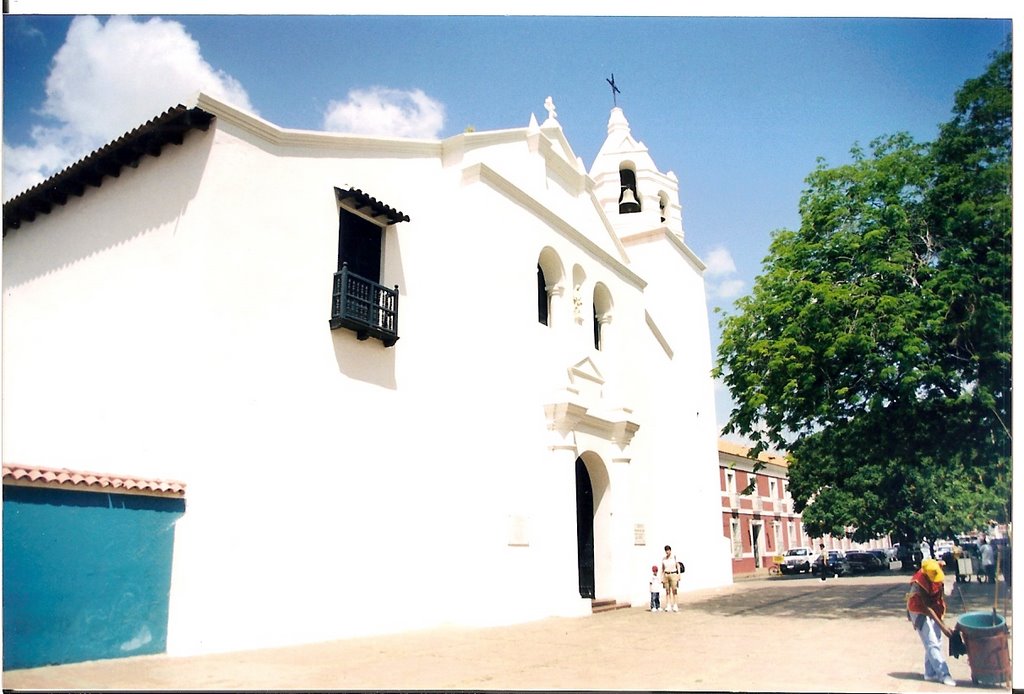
[(634, 194)]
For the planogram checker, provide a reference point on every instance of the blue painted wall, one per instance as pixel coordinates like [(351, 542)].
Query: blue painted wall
[(86, 575)]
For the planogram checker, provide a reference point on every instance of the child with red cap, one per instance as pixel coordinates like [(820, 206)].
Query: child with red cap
[(655, 585)]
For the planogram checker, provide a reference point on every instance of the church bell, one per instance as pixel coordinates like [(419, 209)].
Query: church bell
[(628, 202)]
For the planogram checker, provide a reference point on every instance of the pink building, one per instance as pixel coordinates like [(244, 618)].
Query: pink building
[(762, 523)]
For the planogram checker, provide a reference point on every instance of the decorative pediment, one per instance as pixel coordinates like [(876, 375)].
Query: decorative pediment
[(580, 407), (585, 379), (565, 417)]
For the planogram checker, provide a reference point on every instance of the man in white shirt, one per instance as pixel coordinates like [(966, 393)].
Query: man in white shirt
[(988, 560), (826, 568), (671, 567)]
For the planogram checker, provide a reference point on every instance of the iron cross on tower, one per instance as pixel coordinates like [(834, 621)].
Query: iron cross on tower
[(615, 90)]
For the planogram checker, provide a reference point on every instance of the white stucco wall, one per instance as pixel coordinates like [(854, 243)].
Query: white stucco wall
[(682, 407), (174, 323)]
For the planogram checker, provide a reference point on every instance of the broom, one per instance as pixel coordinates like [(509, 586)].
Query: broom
[(995, 597), (957, 647)]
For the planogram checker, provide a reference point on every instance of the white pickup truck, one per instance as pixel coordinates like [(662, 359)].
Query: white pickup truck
[(797, 560)]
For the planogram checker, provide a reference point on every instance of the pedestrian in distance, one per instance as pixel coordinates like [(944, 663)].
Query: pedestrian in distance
[(956, 553), (671, 568), (825, 567), (988, 560), (655, 585), (926, 606)]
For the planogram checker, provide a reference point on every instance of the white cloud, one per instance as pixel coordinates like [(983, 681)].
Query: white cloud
[(107, 79), (719, 262), (727, 288), (722, 282), (386, 112), (26, 165)]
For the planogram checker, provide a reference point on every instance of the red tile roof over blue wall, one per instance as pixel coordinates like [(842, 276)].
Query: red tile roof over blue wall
[(89, 481)]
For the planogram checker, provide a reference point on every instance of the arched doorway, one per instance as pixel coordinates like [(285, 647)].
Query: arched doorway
[(585, 529)]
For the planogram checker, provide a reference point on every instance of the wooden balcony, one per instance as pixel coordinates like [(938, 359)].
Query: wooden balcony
[(368, 308)]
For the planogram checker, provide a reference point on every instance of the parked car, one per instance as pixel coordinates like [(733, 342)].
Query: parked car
[(885, 557), (910, 556), (837, 563), (866, 562), (797, 560)]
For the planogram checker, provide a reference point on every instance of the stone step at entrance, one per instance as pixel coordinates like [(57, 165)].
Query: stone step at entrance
[(607, 605)]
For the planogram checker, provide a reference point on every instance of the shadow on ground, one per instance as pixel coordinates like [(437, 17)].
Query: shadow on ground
[(864, 597), (913, 676)]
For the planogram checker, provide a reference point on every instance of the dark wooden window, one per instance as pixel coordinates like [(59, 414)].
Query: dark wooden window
[(359, 302), (360, 243)]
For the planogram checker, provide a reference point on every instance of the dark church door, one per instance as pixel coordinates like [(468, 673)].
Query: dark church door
[(585, 529)]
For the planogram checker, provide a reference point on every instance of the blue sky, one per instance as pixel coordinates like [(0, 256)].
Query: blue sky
[(740, 108)]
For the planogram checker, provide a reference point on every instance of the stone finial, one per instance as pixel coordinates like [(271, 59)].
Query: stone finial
[(549, 105)]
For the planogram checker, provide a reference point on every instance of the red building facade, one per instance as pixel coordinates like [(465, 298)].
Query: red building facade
[(762, 523)]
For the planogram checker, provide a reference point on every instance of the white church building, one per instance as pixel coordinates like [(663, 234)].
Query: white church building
[(388, 383)]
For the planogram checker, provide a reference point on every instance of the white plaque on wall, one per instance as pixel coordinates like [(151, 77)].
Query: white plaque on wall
[(639, 535), (517, 535)]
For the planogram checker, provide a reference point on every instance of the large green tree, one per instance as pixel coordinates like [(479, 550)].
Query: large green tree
[(875, 345)]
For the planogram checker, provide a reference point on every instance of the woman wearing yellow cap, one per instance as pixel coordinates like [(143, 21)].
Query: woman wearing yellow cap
[(926, 606)]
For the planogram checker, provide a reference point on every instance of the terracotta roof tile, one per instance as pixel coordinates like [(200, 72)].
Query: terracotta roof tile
[(148, 139), (90, 481), (367, 204), (744, 451), (733, 448)]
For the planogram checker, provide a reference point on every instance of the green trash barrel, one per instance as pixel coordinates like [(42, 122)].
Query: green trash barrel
[(988, 651)]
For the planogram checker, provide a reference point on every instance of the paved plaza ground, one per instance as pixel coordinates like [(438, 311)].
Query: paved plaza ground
[(790, 634)]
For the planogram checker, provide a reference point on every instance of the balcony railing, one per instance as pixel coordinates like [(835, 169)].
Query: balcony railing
[(368, 308)]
